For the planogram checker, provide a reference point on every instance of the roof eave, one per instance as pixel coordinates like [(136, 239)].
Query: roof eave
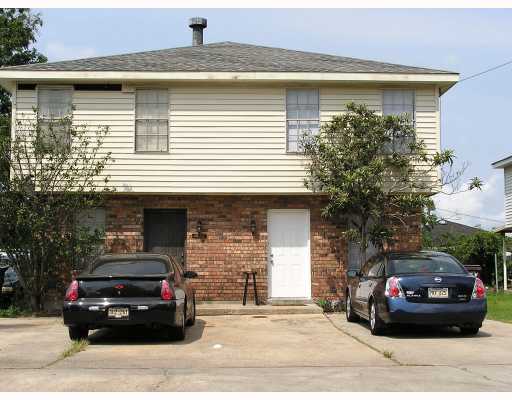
[(445, 81), (503, 229), (503, 163)]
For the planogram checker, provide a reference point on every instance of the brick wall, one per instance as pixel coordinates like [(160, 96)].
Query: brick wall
[(229, 246)]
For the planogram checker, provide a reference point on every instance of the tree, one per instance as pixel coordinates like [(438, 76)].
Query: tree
[(375, 173), (56, 169), (478, 248), (18, 30)]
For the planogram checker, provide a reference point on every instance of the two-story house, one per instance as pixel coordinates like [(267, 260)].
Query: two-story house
[(506, 165), (207, 165)]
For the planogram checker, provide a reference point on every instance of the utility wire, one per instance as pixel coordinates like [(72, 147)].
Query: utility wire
[(469, 215), (486, 71)]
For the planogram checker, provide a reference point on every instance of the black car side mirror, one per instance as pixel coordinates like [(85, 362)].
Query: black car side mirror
[(190, 274), (352, 273)]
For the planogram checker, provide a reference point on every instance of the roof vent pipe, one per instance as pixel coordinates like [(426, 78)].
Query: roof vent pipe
[(197, 24)]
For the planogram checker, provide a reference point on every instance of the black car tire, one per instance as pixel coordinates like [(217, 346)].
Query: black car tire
[(377, 326), (178, 332), (469, 330), (349, 310), (78, 332), (192, 320)]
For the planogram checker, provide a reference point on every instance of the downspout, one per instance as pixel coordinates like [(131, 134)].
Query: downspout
[(504, 263)]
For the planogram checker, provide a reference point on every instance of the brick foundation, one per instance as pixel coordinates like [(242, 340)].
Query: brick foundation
[(229, 247)]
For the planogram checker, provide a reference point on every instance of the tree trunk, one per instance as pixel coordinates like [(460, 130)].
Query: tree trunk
[(362, 246), (35, 302)]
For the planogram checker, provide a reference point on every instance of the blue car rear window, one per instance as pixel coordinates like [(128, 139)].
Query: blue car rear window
[(419, 264), (131, 267)]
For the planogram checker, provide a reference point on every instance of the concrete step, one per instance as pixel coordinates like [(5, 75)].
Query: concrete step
[(231, 308)]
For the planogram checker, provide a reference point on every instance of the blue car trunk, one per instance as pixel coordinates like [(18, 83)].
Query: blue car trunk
[(428, 288)]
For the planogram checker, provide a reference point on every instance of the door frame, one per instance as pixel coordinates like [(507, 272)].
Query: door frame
[(162, 210), (308, 257)]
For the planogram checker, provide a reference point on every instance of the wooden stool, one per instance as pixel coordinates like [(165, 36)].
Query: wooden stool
[(246, 275)]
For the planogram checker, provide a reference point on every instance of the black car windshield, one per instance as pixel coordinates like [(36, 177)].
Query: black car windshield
[(130, 267), (424, 264), (10, 274)]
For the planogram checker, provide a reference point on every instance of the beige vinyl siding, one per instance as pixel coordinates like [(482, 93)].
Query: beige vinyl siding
[(222, 139), (508, 195)]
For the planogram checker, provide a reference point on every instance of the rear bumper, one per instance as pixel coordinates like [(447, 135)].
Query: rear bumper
[(149, 312), (403, 312)]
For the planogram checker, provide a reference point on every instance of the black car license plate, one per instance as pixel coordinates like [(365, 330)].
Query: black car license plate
[(118, 313)]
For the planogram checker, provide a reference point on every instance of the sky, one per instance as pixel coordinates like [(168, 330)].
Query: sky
[(475, 114)]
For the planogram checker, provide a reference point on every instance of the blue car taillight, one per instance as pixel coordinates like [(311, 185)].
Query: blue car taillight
[(478, 289), (393, 288)]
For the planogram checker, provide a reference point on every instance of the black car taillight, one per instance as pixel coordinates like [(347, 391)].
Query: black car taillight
[(72, 292), (166, 292)]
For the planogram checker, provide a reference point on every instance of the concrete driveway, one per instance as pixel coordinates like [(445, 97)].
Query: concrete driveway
[(260, 353)]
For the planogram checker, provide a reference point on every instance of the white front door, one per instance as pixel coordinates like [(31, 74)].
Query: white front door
[(288, 254)]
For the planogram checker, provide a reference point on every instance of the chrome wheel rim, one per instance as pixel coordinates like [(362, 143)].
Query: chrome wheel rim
[(348, 305), (372, 316)]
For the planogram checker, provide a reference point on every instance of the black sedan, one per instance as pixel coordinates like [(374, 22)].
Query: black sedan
[(131, 289), (9, 283), (424, 288), (10, 286)]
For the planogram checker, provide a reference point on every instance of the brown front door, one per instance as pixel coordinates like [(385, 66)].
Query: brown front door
[(165, 231)]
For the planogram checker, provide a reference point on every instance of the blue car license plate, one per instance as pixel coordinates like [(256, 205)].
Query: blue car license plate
[(438, 293)]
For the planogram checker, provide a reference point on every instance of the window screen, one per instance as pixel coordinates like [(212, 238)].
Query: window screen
[(152, 120), (302, 116), (399, 102), (54, 104), (92, 219)]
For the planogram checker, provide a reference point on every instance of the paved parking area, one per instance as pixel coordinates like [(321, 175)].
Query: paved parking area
[(435, 346), (265, 353)]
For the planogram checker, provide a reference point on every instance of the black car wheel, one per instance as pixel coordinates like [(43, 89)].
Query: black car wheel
[(469, 330), (349, 311), (78, 332), (178, 332), (192, 320), (377, 326)]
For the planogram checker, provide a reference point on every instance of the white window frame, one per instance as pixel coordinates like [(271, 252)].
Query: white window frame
[(400, 89), (136, 119), (69, 88), (298, 151)]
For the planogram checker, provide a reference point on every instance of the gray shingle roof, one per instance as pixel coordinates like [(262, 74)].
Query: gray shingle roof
[(226, 57)]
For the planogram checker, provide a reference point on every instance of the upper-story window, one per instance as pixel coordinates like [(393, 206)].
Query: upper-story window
[(152, 120), (399, 102), (54, 104), (302, 116)]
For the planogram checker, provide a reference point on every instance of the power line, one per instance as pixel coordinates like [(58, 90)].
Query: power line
[(469, 215), (486, 71)]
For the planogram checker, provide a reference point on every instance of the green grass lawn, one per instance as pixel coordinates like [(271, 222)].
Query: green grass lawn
[(499, 306)]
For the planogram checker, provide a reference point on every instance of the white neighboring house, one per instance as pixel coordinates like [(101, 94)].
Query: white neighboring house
[(207, 166), (506, 165)]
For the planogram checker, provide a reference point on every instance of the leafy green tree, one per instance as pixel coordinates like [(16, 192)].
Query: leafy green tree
[(478, 248), (376, 174), (56, 168), (18, 31)]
